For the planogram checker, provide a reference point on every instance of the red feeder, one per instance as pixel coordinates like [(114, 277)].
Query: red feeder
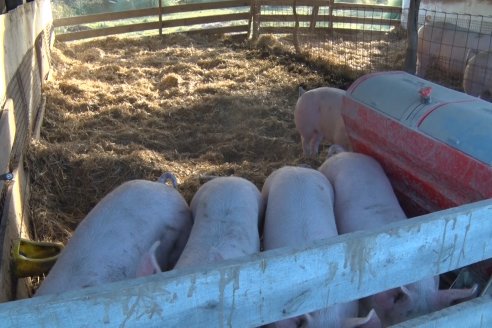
[(434, 143)]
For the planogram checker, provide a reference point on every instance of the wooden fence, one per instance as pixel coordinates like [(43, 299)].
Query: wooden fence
[(255, 290), (26, 34), (249, 291), (242, 16)]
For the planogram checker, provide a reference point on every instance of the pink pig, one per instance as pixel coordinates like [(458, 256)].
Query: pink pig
[(226, 212), (318, 117), (300, 210), (364, 200), (113, 239)]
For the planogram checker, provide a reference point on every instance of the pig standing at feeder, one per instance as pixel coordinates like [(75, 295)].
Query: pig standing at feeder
[(299, 211), (477, 80), (318, 117), (447, 46), (364, 200), (226, 213), (112, 241)]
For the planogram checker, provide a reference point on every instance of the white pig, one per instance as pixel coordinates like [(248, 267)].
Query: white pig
[(449, 45), (226, 213), (300, 210), (364, 199), (477, 80), (111, 241), (318, 117)]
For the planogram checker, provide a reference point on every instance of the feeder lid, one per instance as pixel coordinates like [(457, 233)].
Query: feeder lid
[(459, 120), (464, 126)]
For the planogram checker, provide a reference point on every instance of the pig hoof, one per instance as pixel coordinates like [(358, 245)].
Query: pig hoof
[(335, 149)]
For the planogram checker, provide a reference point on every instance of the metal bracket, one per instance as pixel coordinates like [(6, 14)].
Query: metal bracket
[(7, 176)]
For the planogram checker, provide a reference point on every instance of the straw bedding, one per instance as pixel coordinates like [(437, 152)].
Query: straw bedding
[(132, 108)]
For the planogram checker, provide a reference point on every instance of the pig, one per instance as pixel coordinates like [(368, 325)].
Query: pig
[(477, 80), (226, 213), (450, 44), (318, 117), (111, 242), (300, 210), (364, 200)]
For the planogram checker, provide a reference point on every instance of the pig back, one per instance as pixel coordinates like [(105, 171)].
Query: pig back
[(108, 244), (226, 212), (364, 197), (299, 207)]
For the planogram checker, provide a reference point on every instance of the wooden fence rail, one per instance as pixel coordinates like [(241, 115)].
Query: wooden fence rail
[(25, 34), (285, 282), (247, 16)]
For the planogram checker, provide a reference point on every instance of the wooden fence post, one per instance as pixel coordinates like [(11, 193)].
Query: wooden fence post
[(412, 37), (255, 14), (296, 28), (160, 17), (330, 14), (314, 17)]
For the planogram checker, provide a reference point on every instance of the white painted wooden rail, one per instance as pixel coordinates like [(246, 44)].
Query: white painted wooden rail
[(259, 289)]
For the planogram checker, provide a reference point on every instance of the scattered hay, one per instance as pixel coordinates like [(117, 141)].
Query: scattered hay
[(196, 106), (92, 54), (171, 80)]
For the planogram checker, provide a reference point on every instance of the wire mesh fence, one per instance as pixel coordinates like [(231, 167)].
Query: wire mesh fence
[(454, 50), (357, 37)]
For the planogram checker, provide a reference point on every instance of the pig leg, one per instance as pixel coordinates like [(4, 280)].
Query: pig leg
[(315, 141)]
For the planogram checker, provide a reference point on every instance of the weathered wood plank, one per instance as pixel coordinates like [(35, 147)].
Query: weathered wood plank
[(226, 29), (13, 226), (474, 313), (317, 30), (7, 135), (19, 29), (368, 7), (205, 6), (107, 31), (204, 20), (285, 282), (105, 17), (36, 131), (336, 5), (300, 3), (333, 19)]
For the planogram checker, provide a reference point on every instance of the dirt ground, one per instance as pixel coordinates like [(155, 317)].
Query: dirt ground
[(132, 108)]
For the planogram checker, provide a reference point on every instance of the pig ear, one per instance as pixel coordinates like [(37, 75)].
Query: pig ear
[(148, 265), (448, 297), (387, 299), (371, 320), (301, 91)]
